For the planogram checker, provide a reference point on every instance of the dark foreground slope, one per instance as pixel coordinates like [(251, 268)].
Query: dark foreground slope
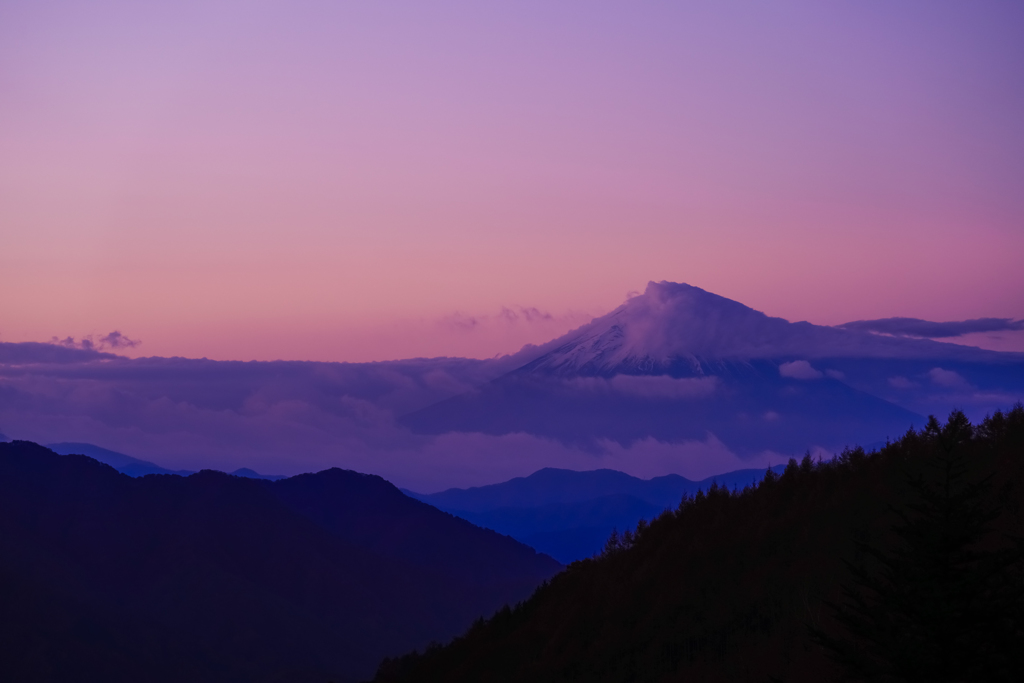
[(738, 586), (219, 578)]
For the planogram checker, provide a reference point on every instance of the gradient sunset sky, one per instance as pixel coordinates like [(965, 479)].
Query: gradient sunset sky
[(377, 180)]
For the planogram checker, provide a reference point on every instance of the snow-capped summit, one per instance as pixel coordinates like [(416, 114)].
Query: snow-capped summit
[(677, 364), (674, 327)]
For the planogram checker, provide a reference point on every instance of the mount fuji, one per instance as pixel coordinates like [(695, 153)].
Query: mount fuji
[(679, 363), (675, 381)]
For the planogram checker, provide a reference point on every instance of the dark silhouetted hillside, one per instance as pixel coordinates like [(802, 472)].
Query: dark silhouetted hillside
[(371, 513), (214, 577), (903, 564)]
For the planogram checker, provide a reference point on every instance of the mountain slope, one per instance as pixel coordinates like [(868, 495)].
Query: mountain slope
[(677, 363), (371, 513), (569, 515), (134, 467), (219, 578), (125, 464), (552, 486), (681, 330), (726, 587), (566, 531)]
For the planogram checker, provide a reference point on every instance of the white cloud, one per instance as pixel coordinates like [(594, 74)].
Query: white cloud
[(799, 369), (900, 382), (947, 378)]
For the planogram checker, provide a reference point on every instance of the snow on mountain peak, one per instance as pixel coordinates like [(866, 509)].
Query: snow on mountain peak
[(673, 324)]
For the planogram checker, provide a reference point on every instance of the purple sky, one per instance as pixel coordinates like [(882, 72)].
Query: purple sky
[(360, 181)]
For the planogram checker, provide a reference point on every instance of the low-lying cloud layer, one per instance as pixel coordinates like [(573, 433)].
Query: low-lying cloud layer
[(926, 329), (291, 417), (675, 380)]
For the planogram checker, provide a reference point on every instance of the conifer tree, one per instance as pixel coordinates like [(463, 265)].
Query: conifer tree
[(943, 604)]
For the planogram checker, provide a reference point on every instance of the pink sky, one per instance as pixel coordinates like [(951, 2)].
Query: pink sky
[(363, 181)]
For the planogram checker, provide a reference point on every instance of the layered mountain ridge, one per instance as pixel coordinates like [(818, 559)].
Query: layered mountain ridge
[(214, 577), (570, 515)]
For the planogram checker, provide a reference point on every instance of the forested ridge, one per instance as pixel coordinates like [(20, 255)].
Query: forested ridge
[(900, 564)]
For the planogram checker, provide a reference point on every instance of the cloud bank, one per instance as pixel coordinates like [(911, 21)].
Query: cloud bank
[(915, 327), (799, 369), (292, 417)]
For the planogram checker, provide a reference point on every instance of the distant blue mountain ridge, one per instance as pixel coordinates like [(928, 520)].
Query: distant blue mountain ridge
[(134, 467), (568, 514)]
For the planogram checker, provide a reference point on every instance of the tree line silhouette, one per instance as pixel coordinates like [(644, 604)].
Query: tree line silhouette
[(903, 564)]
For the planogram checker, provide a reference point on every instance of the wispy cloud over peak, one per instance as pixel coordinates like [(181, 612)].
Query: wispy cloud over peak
[(113, 340), (525, 314), (461, 322), (799, 369), (116, 340), (915, 327), (509, 316)]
